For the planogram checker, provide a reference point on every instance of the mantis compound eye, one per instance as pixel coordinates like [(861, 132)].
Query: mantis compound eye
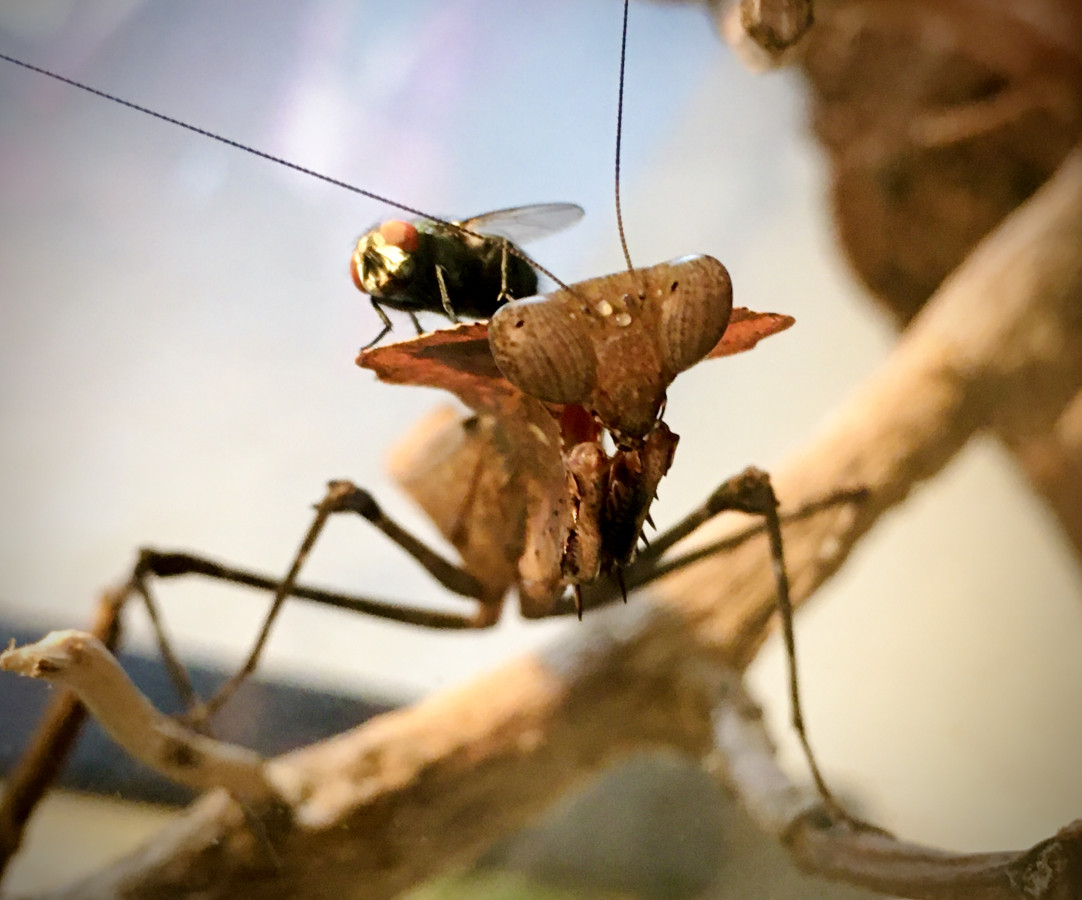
[(543, 350), (696, 304)]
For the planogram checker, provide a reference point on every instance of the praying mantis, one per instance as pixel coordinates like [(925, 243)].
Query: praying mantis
[(657, 457)]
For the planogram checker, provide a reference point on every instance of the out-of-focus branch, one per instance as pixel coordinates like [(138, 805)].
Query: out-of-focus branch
[(1007, 323), (412, 792), (1049, 450), (79, 661), (55, 735), (1051, 870), (938, 119), (1053, 462)]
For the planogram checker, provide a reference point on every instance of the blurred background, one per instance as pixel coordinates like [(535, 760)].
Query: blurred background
[(179, 329)]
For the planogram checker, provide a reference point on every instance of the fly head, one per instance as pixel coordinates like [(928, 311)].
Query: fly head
[(383, 262)]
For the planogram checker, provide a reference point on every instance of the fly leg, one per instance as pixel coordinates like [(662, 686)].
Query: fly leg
[(505, 256), (387, 326), (445, 296)]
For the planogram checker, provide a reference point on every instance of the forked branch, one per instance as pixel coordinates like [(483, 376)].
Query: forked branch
[(398, 800), (57, 730), (79, 661)]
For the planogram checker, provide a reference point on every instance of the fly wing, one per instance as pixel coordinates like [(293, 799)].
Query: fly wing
[(746, 329), (522, 224)]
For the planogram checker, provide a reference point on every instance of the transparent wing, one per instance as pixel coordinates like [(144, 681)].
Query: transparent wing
[(521, 224)]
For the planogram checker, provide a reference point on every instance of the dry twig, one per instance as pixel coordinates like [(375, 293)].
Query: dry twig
[(79, 661), (1051, 870), (41, 762)]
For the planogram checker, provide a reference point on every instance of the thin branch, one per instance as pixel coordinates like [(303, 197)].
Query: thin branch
[(41, 762), (379, 809), (79, 661), (872, 859)]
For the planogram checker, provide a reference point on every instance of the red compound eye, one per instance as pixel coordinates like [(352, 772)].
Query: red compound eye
[(399, 234), (355, 270)]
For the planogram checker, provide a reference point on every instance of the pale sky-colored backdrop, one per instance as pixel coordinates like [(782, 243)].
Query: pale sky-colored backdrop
[(178, 330)]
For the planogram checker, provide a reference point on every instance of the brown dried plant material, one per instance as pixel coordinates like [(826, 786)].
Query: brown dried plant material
[(939, 117), (746, 329)]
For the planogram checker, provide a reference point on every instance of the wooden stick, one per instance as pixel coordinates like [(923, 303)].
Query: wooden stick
[(873, 859), (54, 737), (79, 661)]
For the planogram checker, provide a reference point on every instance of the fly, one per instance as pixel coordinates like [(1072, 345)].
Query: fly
[(467, 268)]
